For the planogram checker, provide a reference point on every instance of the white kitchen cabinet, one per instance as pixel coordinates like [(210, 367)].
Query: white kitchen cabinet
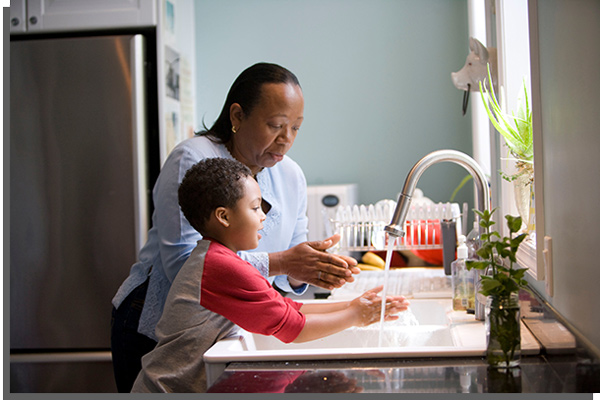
[(35, 16)]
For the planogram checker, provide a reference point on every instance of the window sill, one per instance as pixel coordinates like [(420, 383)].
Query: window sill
[(526, 256)]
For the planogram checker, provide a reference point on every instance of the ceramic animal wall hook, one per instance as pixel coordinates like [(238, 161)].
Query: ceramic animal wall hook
[(475, 70)]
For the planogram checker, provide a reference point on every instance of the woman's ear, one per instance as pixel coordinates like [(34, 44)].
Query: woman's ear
[(236, 115), (222, 215)]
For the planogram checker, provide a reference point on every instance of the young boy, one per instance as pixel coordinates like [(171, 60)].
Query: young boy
[(216, 292)]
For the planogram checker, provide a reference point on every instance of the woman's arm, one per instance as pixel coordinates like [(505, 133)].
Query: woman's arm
[(303, 261), (326, 319)]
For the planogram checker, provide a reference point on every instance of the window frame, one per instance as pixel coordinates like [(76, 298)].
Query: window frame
[(508, 15)]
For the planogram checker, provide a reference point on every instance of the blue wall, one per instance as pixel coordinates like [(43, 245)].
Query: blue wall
[(375, 76)]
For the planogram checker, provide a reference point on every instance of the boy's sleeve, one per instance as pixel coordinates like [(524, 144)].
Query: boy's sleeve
[(249, 301)]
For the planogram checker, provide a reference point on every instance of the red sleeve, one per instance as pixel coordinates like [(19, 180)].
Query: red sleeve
[(234, 289), (254, 381)]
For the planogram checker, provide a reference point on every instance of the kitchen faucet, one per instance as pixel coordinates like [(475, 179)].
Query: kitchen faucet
[(395, 228)]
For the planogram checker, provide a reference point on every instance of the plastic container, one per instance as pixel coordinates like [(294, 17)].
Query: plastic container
[(473, 242), (463, 282)]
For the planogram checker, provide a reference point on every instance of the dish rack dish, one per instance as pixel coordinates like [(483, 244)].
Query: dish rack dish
[(361, 227)]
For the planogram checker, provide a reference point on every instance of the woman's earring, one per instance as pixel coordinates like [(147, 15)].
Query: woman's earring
[(233, 129)]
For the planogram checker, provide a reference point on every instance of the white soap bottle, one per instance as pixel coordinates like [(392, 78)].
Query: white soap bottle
[(463, 284)]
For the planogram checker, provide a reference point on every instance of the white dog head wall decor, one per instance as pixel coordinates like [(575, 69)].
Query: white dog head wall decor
[(475, 70)]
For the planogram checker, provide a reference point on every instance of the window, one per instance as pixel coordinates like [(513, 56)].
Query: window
[(509, 26)]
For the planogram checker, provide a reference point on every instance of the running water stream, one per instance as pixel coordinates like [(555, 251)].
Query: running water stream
[(388, 261)]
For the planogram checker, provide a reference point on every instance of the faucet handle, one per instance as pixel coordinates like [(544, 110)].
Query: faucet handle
[(394, 230)]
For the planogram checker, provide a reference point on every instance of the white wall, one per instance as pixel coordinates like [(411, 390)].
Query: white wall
[(376, 81), (570, 90)]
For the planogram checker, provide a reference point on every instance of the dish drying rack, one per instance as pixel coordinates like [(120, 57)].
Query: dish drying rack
[(414, 282), (361, 227)]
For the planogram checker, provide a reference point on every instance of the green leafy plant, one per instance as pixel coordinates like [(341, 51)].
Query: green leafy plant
[(494, 252), (501, 281), (517, 130)]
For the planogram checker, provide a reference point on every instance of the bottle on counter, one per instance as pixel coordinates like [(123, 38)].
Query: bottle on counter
[(473, 242), (463, 282)]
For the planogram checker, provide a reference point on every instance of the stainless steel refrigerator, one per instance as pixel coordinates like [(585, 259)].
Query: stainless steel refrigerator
[(83, 158)]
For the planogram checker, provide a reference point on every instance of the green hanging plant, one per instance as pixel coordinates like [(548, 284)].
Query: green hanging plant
[(517, 130)]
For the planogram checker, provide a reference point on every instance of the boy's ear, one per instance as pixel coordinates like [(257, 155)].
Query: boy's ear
[(222, 215)]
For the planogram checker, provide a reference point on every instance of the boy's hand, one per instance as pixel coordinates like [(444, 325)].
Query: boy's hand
[(368, 307)]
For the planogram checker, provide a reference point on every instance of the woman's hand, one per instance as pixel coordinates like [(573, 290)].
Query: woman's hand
[(368, 307), (309, 262)]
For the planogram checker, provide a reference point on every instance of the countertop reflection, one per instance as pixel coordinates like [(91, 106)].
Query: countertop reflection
[(540, 374)]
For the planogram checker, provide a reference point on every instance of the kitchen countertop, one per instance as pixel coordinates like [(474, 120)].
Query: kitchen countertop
[(539, 374), (564, 365)]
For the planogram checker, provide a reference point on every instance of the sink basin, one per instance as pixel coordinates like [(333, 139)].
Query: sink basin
[(430, 328)]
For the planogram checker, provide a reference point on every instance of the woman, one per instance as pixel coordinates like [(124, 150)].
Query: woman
[(257, 126)]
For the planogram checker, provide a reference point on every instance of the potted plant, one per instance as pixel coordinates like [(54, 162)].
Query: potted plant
[(500, 282), (517, 131)]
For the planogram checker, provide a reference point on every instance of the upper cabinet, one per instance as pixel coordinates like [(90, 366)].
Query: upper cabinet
[(35, 16)]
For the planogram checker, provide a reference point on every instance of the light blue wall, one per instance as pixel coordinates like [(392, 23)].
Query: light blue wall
[(375, 76)]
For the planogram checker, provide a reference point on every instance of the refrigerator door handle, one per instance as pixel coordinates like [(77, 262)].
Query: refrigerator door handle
[(139, 130), (79, 356)]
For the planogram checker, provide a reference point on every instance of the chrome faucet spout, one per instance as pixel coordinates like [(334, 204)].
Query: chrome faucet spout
[(395, 228)]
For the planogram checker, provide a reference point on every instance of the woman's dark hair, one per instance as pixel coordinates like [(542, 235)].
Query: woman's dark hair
[(246, 91), (209, 184)]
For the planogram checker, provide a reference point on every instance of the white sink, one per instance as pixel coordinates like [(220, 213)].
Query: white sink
[(429, 329)]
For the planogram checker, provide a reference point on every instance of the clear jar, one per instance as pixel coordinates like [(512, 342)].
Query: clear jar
[(503, 330)]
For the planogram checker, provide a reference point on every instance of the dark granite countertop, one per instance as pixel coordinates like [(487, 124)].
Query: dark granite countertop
[(538, 374)]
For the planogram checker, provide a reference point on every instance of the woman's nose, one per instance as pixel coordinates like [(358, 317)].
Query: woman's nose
[(287, 136)]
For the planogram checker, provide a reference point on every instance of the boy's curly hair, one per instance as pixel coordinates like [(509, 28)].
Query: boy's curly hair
[(209, 184)]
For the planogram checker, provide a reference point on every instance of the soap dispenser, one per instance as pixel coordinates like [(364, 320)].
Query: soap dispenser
[(463, 282)]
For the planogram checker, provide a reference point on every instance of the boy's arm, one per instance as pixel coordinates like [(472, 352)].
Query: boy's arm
[(325, 307), (325, 319), (325, 324)]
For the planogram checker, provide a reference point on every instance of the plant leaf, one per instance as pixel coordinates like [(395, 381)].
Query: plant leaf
[(486, 223), (477, 264), (490, 284), (518, 274), (460, 185), (516, 242), (514, 223), (485, 253)]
